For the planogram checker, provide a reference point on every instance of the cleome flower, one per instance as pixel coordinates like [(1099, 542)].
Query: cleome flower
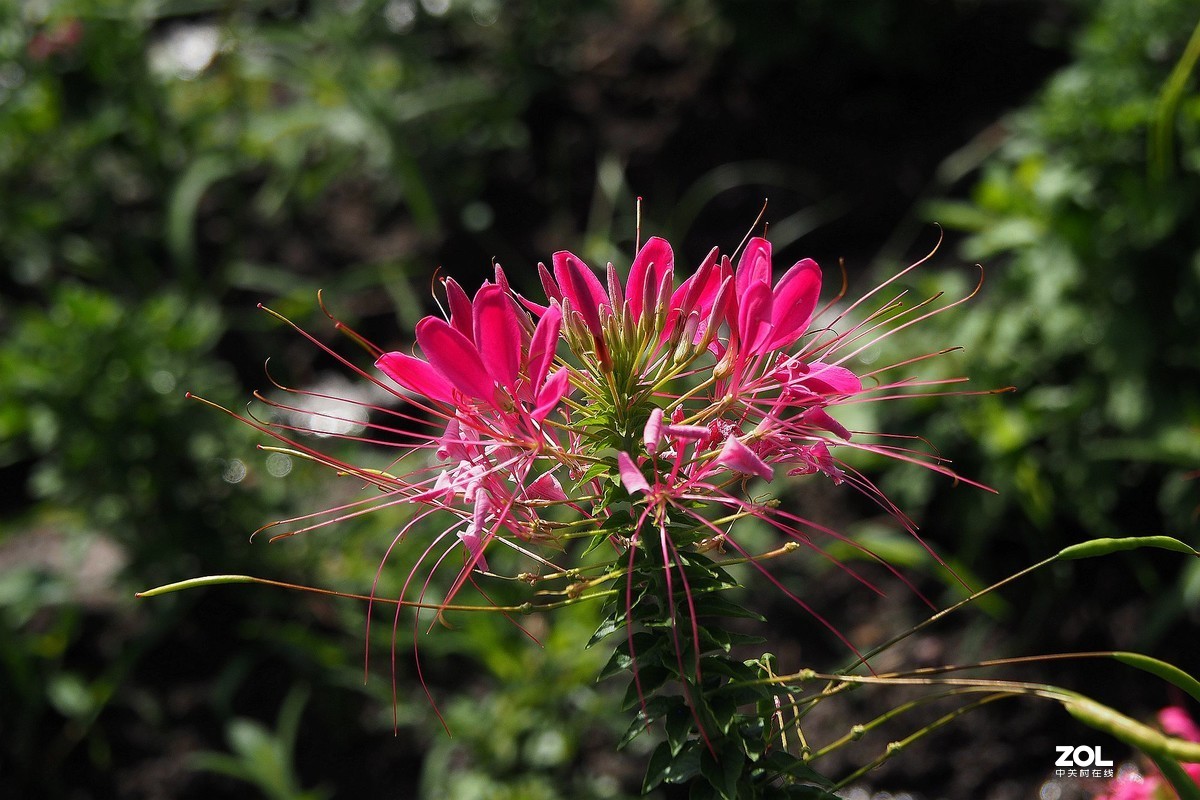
[(650, 414)]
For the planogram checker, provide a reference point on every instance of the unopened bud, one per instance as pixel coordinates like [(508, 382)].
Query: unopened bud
[(615, 293), (686, 335)]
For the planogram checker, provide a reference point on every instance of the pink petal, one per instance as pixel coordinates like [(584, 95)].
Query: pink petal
[(549, 396), (652, 434), (498, 335), (754, 321), (830, 379), (543, 345), (631, 476), (819, 418), (461, 313), (703, 282), (451, 446), (546, 487), (739, 458), (534, 308), (455, 357), (473, 536), (502, 279), (650, 265), (755, 264), (416, 376), (1176, 722), (553, 292), (581, 286), (688, 433), (795, 299)]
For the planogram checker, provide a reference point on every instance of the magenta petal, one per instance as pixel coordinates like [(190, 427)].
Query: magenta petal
[(498, 335), (533, 308), (543, 345), (631, 477), (581, 286), (548, 285), (546, 487), (688, 433), (795, 299), (453, 355), (652, 434), (549, 396), (1176, 722), (830, 379), (473, 537), (754, 318), (652, 262), (416, 376), (502, 279), (461, 314), (819, 418), (739, 458), (755, 264)]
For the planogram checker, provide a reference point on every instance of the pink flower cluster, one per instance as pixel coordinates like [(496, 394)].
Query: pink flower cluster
[(673, 393)]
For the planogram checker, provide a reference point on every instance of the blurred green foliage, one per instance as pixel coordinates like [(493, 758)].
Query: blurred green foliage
[(1092, 296)]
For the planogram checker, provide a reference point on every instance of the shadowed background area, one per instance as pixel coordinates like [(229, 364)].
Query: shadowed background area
[(165, 166)]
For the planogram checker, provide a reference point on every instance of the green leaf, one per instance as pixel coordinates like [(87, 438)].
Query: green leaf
[(650, 679), (671, 768), (714, 605), (724, 711), (658, 768), (679, 728), (724, 770)]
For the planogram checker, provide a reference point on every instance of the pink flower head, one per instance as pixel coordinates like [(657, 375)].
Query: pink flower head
[(631, 413)]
